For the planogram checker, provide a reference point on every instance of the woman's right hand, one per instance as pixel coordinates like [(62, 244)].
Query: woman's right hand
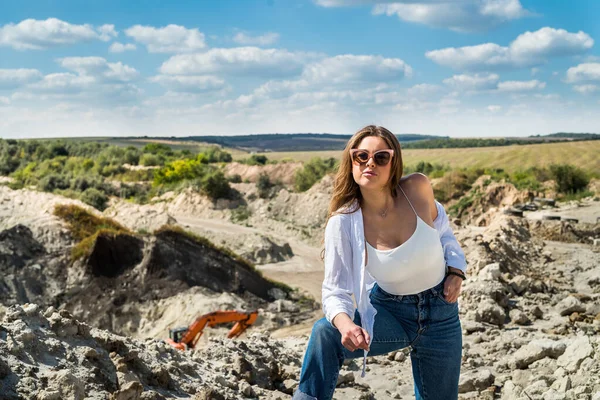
[(354, 337)]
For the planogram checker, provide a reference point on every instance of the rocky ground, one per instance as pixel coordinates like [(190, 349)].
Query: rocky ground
[(530, 309)]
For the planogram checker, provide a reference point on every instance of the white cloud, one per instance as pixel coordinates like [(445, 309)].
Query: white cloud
[(238, 61), (334, 74), (31, 34), (117, 47), (520, 86), (473, 82), (4, 101), (262, 40), (63, 83), (356, 68), (463, 16), (13, 78), (191, 84), (586, 89), (99, 68), (107, 32), (528, 49), (423, 89), (534, 71), (94, 81), (494, 108), (169, 39), (584, 72), (279, 89), (549, 42)]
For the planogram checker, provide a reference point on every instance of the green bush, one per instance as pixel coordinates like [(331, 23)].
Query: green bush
[(312, 172), (157, 148), (215, 154), (453, 185), (235, 178), (179, 170), (255, 159), (240, 214), (525, 180), (111, 170), (49, 183), (215, 185), (94, 198), (264, 186), (150, 160), (8, 165), (568, 178)]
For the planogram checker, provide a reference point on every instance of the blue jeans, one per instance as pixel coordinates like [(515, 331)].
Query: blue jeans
[(425, 321)]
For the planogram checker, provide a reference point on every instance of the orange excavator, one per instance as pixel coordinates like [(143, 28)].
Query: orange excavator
[(185, 338)]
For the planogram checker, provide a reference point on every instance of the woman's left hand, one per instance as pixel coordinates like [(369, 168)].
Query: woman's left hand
[(452, 287)]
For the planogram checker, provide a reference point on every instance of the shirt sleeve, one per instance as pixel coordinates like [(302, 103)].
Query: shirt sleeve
[(338, 283), (453, 253)]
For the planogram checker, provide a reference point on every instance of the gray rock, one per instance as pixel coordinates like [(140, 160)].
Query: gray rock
[(510, 391), (489, 311), (554, 395), (476, 380), (345, 378), (129, 391), (490, 272), (536, 350), (537, 388), (561, 385), (575, 353), (67, 384), (570, 305), (520, 284), (519, 317)]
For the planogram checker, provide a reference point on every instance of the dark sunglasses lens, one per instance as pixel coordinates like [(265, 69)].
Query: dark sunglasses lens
[(382, 158), (361, 156)]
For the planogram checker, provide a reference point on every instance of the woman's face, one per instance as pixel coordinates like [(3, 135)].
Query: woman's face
[(369, 174)]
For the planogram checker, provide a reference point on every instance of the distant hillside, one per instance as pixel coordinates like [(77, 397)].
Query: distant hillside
[(286, 142), (578, 136), (482, 142), (292, 141)]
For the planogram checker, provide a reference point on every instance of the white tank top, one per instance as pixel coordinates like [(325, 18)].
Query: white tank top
[(416, 265)]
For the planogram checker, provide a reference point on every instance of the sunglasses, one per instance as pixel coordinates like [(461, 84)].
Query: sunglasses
[(381, 157)]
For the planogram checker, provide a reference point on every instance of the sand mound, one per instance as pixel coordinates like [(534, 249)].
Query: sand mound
[(282, 172)]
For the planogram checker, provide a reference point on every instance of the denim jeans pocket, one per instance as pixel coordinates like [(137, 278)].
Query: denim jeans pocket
[(440, 295)]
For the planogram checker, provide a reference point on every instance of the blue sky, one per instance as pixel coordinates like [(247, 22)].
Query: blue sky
[(461, 68)]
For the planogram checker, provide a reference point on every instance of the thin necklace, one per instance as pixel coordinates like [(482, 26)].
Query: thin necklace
[(384, 212)]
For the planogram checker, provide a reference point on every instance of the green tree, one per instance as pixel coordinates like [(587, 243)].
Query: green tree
[(264, 186), (568, 178), (312, 172), (215, 185)]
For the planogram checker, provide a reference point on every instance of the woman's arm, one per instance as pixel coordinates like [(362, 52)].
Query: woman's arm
[(338, 283), (453, 253)]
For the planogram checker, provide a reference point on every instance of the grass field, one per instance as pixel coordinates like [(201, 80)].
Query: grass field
[(584, 154)]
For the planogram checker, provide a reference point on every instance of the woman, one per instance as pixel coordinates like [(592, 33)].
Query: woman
[(388, 243)]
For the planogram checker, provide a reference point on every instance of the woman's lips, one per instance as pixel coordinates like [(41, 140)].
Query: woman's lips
[(369, 174)]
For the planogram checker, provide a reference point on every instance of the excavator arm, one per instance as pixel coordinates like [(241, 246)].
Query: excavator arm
[(182, 338)]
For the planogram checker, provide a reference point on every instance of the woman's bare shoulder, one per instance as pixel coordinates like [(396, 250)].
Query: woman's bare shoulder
[(415, 182), (417, 187)]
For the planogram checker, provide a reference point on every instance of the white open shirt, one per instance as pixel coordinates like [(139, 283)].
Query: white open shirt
[(345, 269)]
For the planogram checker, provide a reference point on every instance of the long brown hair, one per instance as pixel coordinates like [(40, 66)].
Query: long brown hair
[(345, 189)]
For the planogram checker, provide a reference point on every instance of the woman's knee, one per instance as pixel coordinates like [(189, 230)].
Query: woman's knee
[(324, 332)]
